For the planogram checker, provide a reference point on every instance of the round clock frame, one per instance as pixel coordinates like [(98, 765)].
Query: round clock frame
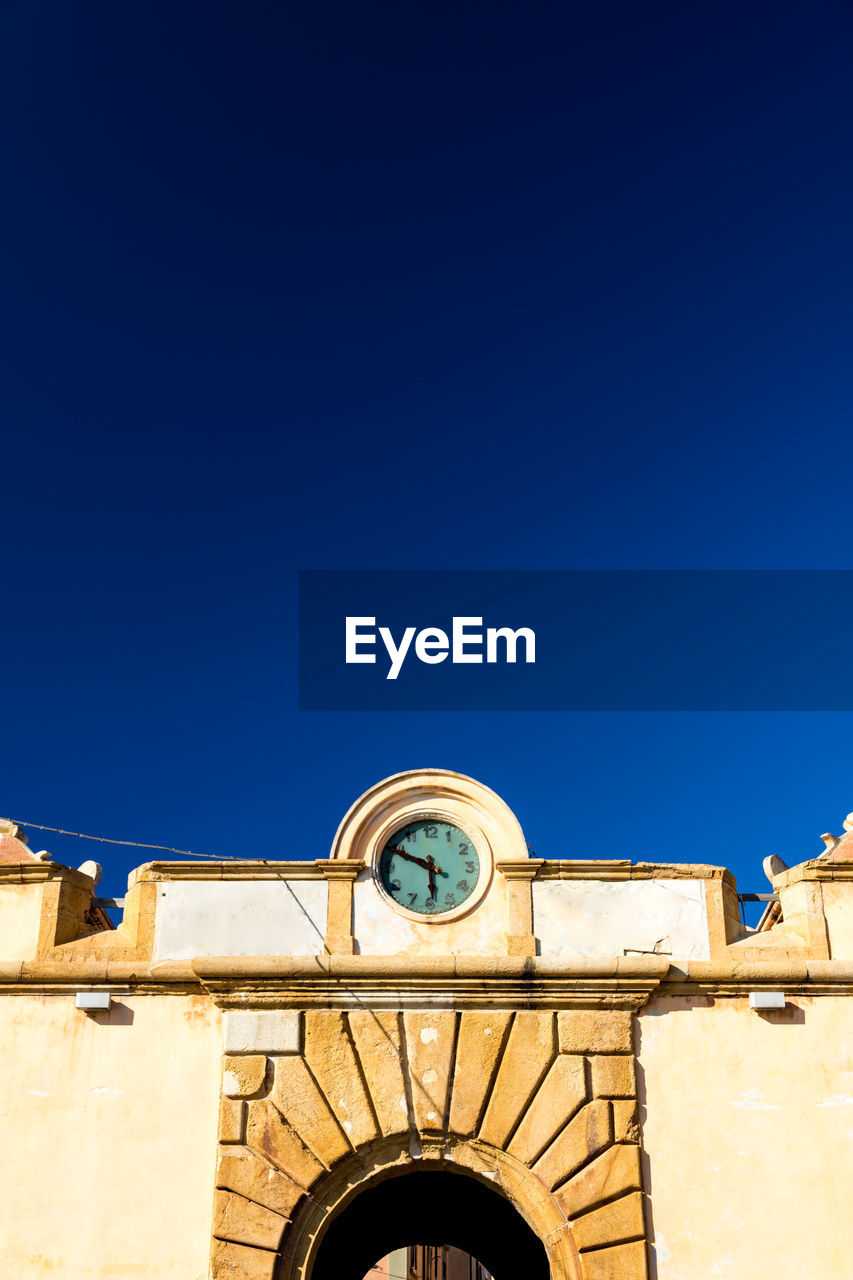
[(484, 856)]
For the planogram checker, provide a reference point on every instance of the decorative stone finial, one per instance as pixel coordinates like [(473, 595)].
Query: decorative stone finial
[(8, 828), (848, 822), (774, 866)]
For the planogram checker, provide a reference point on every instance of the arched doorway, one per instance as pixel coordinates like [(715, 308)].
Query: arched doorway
[(430, 1206)]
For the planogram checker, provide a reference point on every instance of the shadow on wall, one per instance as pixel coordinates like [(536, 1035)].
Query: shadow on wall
[(684, 1005), (642, 1109), (118, 1015)]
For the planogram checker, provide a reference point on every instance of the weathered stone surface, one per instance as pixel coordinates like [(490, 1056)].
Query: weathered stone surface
[(430, 1049), (268, 1133), (262, 1031), (232, 1119), (303, 1106), (481, 1038), (334, 1065), (249, 1176), (240, 1262), (561, 1093), (377, 1038), (626, 1125), (582, 1138), (477, 1159), (613, 1077), (611, 1223), (594, 1031), (615, 1171), (530, 1049), (622, 1262), (244, 1077), (241, 1220)]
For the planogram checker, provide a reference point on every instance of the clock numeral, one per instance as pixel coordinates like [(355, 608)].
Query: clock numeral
[(430, 905), (449, 900), (413, 897), (463, 884), (469, 867), (449, 836), (395, 886), (430, 833), (463, 848), (410, 835)]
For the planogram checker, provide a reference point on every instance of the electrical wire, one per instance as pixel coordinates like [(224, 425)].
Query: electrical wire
[(135, 844)]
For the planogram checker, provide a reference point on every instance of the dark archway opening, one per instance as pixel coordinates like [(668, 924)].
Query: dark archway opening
[(430, 1207)]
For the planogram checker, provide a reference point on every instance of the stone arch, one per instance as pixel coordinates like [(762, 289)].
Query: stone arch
[(488, 1174), (541, 1105)]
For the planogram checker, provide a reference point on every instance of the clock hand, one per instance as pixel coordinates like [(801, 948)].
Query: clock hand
[(429, 864), (410, 857)]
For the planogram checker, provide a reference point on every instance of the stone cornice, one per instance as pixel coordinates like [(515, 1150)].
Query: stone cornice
[(401, 967), (400, 982), (245, 869), (341, 870), (794, 976), (59, 976), (624, 981), (526, 870), (817, 869), (40, 872), (624, 869), (532, 868)]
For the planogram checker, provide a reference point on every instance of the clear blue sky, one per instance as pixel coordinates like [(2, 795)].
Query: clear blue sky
[(380, 286)]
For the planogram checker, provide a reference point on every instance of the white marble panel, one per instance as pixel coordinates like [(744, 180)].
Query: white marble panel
[(240, 918), (612, 917)]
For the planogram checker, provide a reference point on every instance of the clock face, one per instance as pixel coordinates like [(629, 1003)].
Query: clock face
[(429, 867)]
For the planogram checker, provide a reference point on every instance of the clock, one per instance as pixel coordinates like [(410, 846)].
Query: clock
[(429, 867)]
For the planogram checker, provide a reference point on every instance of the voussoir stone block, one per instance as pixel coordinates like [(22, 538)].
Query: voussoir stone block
[(232, 1120), (244, 1076), (561, 1093), (481, 1038), (529, 1052), (613, 1077), (430, 1045), (231, 1261), (614, 1172), (594, 1031), (334, 1065), (269, 1134), (583, 1137), (303, 1106), (626, 1125), (621, 1262), (261, 1031), (244, 1172), (241, 1220), (378, 1041), (611, 1223)]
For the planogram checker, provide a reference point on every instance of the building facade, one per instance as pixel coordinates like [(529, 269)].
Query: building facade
[(587, 1069)]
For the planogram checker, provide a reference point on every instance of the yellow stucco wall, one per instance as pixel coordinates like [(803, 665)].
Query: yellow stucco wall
[(108, 1137), (20, 917), (748, 1131), (838, 908)]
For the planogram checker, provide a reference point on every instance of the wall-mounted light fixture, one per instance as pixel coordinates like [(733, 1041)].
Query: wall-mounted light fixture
[(766, 1000), (93, 1001)]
